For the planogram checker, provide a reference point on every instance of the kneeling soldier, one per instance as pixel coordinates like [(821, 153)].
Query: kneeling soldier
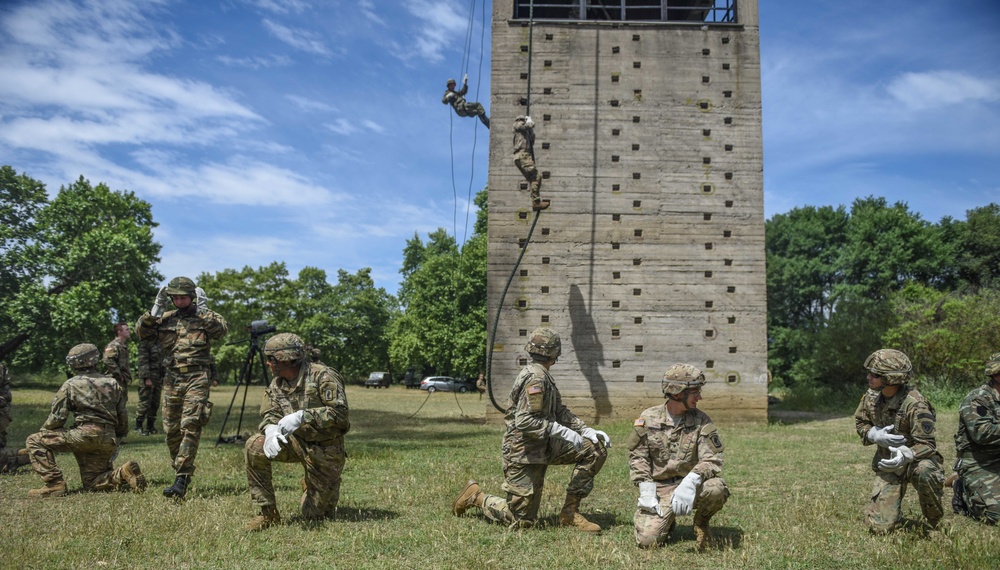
[(100, 421), (305, 419)]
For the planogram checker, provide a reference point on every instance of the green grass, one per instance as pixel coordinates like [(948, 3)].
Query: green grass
[(798, 491)]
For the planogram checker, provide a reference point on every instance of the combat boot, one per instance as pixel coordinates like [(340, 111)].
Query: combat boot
[(55, 488), (471, 496), (138, 427), (133, 476), (151, 427), (268, 517), (539, 205), (570, 515), (702, 536), (179, 488)]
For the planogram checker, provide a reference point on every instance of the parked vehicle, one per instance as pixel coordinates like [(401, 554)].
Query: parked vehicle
[(411, 379), (378, 380), (446, 384)]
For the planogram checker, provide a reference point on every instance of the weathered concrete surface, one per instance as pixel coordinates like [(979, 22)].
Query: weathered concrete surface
[(653, 250)]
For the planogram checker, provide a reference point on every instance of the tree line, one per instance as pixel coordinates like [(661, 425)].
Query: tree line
[(839, 282)]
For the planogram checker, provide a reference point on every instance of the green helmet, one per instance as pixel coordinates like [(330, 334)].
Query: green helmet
[(993, 365), (451, 82), (544, 342), (182, 286), (892, 365), (681, 377), (83, 356), (286, 347)]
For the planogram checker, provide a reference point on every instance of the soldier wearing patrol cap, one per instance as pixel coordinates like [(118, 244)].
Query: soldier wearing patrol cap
[(540, 431), (97, 403), (185, 336), (901, 423), (305, 419), (675, 457), (977, 443)]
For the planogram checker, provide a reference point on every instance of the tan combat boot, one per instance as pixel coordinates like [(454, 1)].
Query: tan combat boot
[(702, 536), (268, 517), (539, 205), (55, 488), (133, 476), (570, 515), (471, 496)]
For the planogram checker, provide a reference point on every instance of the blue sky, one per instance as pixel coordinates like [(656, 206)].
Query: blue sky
[(312, 132)]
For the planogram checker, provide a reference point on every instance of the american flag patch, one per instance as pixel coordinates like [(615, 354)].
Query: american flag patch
[(534, 389), (639, 422)]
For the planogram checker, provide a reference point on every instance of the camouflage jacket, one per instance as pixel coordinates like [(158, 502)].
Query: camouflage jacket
[(456, 98), (909, 412), (92, 398), (979, 425), (149, 362), (184, 335), (5, 396), (319, 390), (535, 404), (524, 138), (116, 362), (660, 450)]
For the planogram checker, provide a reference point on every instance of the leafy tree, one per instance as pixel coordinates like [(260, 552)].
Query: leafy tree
[(72, 266), (977, 240)]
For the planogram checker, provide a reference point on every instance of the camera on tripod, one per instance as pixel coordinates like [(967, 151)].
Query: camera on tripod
[(260, 327)]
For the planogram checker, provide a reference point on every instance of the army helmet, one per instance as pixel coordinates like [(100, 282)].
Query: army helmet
[(544, 342), (182, 286), (890, 364), (993, 365), (451, 81), (84, 355), (681, 377), (285, 347)]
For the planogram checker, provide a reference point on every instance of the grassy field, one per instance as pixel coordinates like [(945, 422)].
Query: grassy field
[(798, 491)]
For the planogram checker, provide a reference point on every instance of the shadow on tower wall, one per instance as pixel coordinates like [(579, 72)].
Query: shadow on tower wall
[(589, 351)]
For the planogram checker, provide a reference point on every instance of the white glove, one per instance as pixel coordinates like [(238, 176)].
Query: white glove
[(202, 298), (901, 457), (596, 436), (883, 437), (647, 498), (529, 123), (465, 78), (272, 441), (161, 301), (290, 423), (563, 432), (683, 498)]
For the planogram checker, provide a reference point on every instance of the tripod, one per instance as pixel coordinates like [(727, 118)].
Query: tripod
[(253, 352)]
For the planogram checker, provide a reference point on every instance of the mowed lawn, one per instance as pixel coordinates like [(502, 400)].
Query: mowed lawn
[(798, 492)]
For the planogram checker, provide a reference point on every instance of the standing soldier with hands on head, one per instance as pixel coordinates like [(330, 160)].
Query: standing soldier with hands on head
[(305, 419), (977, 443), (901, 423), (540, 431), (116, 357), (185, 336), (97, 403), (675, 457)]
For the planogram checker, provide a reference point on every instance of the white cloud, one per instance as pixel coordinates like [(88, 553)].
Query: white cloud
[(299, 39), (933, 89), (367, 8), (255, 62), (280, 6), (373, 126), (342, 127), (439, 25), (306, 104)]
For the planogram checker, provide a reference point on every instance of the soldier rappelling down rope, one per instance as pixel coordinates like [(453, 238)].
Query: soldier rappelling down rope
[(462, 107), (524, 159)]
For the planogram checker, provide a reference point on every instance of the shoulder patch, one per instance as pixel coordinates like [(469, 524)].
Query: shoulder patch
[(535, 389), (927, 426), (639, 422)]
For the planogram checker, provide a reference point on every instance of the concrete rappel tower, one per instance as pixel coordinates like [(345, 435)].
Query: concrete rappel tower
[(648, 126)]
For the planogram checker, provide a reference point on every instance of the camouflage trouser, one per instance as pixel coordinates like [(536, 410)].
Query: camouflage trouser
[(468, 109), (651, 528), (883, 511), (93, 445), (149, 401), (323, 466), (981, 490), (523, 482), (526, 164), (4, 424), (186, 410)]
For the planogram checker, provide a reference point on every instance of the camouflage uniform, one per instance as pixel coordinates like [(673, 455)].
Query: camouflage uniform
[(528, 449), (462, 107), (977, 444), (185, 337), (318, 444), (913, 417), (117, 364), (664, 452), (10, 459), (524, 156), (150, 367), (97, 403)]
